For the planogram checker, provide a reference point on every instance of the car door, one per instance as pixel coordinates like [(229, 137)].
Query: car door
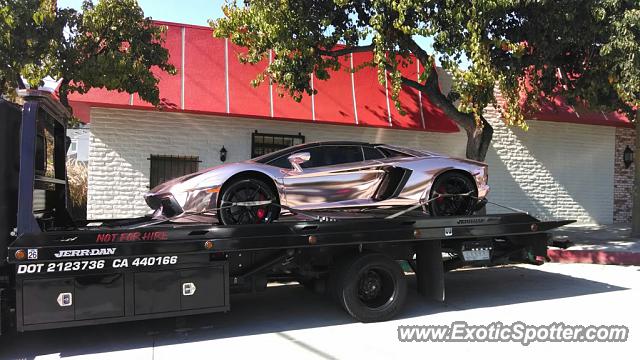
[(334, 176)]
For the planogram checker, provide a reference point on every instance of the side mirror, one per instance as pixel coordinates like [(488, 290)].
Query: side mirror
[(297, 159)]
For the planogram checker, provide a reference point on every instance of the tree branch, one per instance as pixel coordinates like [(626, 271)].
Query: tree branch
[(63, 93), (347, 50), (478, 137), (21, 84), (431, 88)]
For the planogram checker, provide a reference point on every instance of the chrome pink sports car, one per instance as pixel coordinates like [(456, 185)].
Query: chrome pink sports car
[(325, 175)]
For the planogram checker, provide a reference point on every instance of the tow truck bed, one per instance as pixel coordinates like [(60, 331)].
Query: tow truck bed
[(190, 238), (112, 274)]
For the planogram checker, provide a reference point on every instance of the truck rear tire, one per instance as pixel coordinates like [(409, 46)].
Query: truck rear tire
[(370, 287)]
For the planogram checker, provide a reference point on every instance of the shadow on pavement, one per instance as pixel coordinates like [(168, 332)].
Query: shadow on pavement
[(614, 237), (287, 308)]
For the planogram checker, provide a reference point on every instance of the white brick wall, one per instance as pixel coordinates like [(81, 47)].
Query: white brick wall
[(553, 170)]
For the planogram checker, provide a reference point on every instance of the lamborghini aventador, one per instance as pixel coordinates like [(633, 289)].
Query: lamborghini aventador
[(325, 176)]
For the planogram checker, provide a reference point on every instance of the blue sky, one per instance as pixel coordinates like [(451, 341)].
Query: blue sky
[(196, 12)]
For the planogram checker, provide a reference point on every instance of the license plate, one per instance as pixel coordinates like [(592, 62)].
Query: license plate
[(476, 254)]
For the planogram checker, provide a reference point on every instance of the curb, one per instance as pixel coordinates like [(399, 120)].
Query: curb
[(594, 257)]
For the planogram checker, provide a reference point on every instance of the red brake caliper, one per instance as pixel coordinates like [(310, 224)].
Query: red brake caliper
[(261, 213)]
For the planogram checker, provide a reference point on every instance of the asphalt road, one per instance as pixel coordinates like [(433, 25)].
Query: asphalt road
[(289, 322)]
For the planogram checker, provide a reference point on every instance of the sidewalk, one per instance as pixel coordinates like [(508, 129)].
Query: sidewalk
[(596, 244)]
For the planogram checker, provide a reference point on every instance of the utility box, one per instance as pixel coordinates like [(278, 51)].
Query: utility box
[(56, 301)]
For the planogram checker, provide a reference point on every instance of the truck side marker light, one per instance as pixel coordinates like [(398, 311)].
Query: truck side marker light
[(208, 244), (313, 239), (21, 255)]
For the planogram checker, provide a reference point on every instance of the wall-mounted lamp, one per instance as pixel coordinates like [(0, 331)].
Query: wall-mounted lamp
[(223, 154), (627, 157)]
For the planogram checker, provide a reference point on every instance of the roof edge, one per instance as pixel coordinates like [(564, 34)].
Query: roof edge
[(248, 116)]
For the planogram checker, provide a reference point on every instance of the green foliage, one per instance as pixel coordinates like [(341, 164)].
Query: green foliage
[(109, 45), (520, 45)]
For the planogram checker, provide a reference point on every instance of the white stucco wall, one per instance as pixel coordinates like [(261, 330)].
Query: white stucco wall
[(553, 170)]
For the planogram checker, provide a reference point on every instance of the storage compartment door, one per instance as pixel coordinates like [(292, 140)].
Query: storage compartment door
[(202, 288), (99, 296), (47, 300), (157, 292)]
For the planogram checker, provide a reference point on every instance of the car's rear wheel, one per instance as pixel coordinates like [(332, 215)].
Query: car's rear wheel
[(452, 194), (247, 191)]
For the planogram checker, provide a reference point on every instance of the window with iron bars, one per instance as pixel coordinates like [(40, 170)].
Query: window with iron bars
[(167, 167), (266, 143)]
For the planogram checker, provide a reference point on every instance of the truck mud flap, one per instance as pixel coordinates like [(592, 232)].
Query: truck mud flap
[(429, 270)]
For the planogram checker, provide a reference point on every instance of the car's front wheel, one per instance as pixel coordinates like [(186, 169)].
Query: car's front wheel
[(248, 201)]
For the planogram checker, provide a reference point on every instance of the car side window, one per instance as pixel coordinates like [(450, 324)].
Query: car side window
[(392, 153), (333, 155), (372, 153), (281, 162)]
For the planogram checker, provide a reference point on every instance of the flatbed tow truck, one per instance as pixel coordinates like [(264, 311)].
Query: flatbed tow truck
[(58, 272)]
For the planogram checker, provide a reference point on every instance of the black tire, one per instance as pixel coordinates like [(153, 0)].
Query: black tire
[(370, 287), (452, 183), (247, 189)]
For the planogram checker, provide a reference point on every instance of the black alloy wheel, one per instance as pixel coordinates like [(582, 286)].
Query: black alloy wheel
[(246, 191), (375, 287), (452, 194)]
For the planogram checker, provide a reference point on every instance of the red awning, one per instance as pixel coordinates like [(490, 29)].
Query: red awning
[(211, 80), (559, 110)]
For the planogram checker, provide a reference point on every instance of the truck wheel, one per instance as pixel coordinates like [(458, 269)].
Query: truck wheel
[(370, 287)]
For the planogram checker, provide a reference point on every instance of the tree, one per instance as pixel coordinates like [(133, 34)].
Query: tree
[(529, 49), (108, 45)]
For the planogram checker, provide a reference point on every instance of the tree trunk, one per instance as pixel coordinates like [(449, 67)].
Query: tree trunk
[(635, 214), (478, 136), (478, 141)]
